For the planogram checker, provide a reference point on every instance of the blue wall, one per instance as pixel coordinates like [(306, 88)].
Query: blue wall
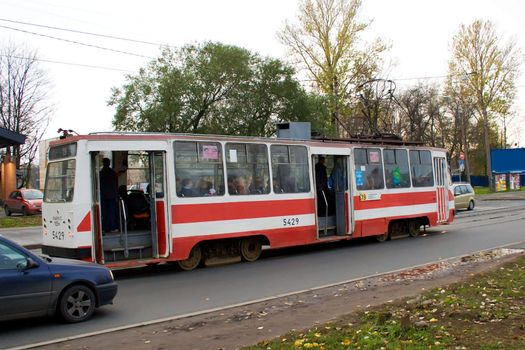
[(506, 161), (474, 180)]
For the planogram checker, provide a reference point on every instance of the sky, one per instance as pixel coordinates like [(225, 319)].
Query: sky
[(420, 33)]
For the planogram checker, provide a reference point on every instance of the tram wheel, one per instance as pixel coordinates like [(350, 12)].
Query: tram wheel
[(251, 248), (192, 261), (382, 238), (414, 227)]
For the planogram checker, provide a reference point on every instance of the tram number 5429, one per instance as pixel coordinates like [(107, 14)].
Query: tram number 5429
[(290, 221)]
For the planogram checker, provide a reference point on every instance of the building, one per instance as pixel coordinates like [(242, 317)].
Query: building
[(7, 163)]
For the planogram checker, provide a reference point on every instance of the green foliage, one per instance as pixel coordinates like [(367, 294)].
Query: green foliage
[(214, 88), (481, 190), (326, 40), (20, 221), (483, 312)]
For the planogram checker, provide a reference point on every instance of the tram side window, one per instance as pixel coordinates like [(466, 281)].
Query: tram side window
[(397, 173), (247, 169), (290, 169), (421, 166), (368, 169), (198, 168)]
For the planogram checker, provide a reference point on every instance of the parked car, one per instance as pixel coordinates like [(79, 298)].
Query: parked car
[(39, 285), (25, 201), (464, 196)]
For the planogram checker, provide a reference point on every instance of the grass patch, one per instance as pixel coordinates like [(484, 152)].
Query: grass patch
[(485, 312), (20, 221), (480, 190)]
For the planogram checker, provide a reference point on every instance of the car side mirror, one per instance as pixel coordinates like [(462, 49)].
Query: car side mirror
[(29, 264), (19, 197)]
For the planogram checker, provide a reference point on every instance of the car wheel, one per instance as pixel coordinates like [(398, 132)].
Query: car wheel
[(76, 304), (470, 205), (7, 211), (24, 211)]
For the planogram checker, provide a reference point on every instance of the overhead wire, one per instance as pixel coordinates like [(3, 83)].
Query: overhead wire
[(77, 42), (107, 36), (85, 33), (70, 63)]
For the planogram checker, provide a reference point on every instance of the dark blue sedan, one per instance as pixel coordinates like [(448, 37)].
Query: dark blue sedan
[(36, 286)]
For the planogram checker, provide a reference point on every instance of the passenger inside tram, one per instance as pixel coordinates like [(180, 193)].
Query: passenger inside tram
[(257, 186)]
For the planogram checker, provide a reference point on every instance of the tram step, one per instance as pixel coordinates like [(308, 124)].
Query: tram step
[(134, 252), (327, 227), (121, 249)]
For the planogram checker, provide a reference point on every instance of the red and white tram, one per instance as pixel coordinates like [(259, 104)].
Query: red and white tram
[(211, 199)]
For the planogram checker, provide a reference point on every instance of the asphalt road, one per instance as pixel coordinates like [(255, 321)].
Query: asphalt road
[(154, 293)]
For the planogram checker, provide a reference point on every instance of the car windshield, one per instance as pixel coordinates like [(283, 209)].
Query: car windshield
[(33, 194)]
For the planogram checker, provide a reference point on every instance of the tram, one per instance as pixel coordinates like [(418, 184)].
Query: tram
[(130, 199)]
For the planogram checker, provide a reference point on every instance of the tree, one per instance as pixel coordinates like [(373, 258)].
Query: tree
[(213, 88), (325, 40), (24, 101), (486, 70), (422, 118)]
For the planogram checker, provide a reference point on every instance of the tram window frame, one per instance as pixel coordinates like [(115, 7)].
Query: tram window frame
[(365, 167), (195, 159), (390, 166), (421, 163), (294, 160), (238, 164)]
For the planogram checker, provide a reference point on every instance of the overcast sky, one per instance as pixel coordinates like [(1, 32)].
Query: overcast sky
[(420, 32)]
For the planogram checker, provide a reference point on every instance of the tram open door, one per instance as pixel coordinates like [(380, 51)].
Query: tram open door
[(137, 226), (332, 192)]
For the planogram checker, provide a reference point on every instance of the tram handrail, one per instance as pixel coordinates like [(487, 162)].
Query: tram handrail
[(124, 228)]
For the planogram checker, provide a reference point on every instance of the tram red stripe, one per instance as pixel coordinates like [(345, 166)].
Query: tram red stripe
[(189, 213), (396, 199)]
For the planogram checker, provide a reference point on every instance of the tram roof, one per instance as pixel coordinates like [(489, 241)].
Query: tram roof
[(318, 142)]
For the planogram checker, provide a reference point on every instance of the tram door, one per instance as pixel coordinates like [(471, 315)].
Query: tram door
[(133, 222), (333, 207), (440, 171)]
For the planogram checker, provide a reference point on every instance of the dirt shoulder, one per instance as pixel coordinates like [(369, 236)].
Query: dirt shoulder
[(242, 326)]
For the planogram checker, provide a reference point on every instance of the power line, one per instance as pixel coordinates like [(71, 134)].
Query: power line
[(77, 42), (85, 33), (70, 63)]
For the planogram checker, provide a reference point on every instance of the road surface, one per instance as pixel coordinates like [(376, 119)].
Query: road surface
[(155, 293)]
